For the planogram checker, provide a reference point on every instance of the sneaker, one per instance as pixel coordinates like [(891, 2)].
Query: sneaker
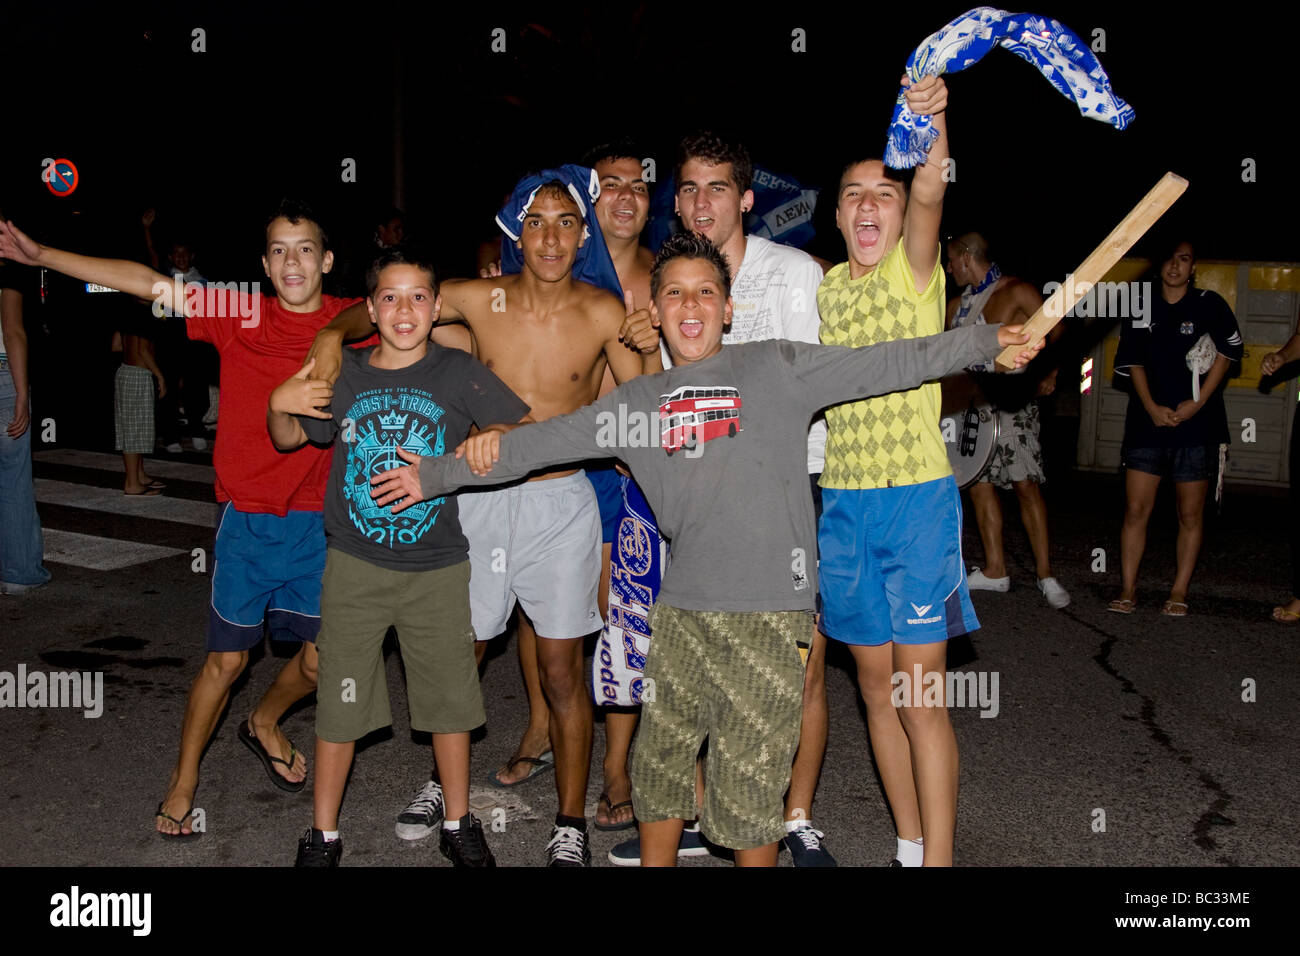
[(896, 862), (568, 847), (978, 581), (1055, 594), (628, 853), (200, 444), (423, 813), (466, 847), (805, 846), (314, 853), (174, 448)]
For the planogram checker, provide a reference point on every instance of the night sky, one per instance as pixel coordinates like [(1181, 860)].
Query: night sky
[(283, 95)]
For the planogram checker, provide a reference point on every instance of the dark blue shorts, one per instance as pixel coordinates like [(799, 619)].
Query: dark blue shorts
[(608, 484), (1180, 464), (891, 565), (266, 569)]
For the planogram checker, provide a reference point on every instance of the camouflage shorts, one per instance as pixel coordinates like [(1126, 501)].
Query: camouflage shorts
[(736, 678)]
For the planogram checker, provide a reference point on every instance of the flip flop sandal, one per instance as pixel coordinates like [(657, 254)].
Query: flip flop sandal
[(252, 743), (610, 810), (150, 492), (537, 766), (157, 484), (1169, 609), (192, 835), (1121, 606), (1283, 616)]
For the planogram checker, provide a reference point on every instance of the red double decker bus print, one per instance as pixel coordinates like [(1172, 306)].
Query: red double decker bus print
[(693, 414)]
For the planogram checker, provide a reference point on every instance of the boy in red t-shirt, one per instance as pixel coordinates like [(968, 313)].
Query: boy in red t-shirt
[(270, 547)]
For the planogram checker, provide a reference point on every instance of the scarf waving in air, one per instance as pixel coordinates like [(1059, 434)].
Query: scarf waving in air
[(1055, 49)]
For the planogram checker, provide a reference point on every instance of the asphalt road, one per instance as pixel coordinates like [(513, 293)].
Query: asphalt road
[(1138, 722)]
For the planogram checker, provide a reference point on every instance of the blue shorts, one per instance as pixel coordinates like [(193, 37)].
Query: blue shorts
[(891, 565), (266, 569), (1180, 464), (609, 496)]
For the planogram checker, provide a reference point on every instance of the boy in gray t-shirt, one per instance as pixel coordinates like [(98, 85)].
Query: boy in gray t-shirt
[(718, 444)]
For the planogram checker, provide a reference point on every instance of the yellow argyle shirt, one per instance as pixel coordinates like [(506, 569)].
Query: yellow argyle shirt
[(894, 439)]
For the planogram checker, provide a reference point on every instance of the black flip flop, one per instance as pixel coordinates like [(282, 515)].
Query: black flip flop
[(611, 809), (252, 743), (537, 765), (192, 835)]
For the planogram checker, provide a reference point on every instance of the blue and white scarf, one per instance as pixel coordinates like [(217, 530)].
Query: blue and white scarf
[(1062, 56)]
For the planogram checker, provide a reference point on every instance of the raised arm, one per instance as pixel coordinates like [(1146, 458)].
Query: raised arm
[(925, 204), (133, 278)]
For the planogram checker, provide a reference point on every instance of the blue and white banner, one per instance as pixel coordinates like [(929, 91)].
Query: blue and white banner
[(1058, 52), (637, 563)]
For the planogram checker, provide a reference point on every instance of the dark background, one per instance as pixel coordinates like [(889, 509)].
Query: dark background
[(283, 94)]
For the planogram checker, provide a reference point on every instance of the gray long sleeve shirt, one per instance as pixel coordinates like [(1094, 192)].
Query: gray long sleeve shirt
[(719, 448)]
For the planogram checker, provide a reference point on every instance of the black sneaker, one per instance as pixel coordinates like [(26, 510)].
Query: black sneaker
[(314, 851), (423, 814), (806, 848), (895, 863), (568, 847), (466, 847)]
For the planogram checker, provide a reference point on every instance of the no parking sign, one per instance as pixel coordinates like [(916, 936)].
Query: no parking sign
[(60, 176)]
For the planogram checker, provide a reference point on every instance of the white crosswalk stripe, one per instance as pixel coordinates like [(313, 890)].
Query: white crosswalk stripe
[(112, 500), (99, 554)]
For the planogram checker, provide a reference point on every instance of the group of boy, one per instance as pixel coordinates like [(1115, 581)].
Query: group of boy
[(735, 655)]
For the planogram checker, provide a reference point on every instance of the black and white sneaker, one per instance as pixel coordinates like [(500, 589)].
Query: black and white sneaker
[(466, 847), (568, 847), (313, 850), (423, 814), (806, 847)]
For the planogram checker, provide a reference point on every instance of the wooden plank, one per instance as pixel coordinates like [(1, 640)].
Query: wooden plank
[(1100, 261)]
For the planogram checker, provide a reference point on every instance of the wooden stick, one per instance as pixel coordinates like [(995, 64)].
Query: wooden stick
[(1094, 268)]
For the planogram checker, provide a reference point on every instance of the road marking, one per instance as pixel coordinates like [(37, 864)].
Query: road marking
[(99, 554), (157, 467), (111, 500)]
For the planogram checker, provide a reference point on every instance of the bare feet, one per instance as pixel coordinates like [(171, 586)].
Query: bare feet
[(177, 805), (270, 736), (533, 745)]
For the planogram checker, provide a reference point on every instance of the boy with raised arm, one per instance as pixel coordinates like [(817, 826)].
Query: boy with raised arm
[(408, 571), (719, 444), (270, 546)]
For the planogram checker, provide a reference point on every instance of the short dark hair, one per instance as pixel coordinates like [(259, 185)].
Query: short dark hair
[(622, 148), (295, 210), (713, 149), (400, 256), (388, 215), (901, 176), (688, 245)]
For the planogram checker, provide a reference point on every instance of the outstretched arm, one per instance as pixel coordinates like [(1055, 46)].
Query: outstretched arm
[(834, 374), (123, 275), (927, 97), (556, 441)]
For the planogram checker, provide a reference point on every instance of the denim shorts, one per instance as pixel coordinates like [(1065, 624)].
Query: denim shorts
[(1181, 464)]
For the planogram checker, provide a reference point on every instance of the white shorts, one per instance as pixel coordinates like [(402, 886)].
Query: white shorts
[(538, 542)]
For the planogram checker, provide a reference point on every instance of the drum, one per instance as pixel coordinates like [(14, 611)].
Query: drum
[(971, 438)]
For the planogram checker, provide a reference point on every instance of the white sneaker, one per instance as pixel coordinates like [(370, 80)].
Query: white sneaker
[(174, 448), (1055, 594), (200, 444), (978, 581)]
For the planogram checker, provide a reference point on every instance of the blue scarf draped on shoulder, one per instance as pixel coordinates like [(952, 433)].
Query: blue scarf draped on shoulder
[(1058, 52)]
